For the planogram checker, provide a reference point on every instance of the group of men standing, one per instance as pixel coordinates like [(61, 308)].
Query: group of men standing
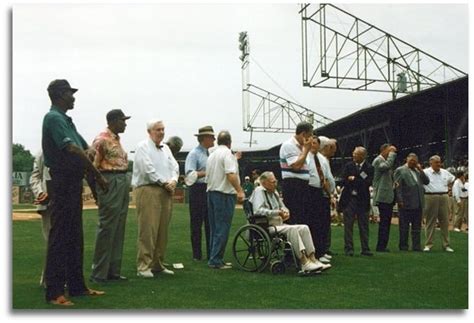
[(67, 159), (308, 188)]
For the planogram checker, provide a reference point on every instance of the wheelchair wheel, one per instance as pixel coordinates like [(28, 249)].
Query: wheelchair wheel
[(251, 248), (277, 268)]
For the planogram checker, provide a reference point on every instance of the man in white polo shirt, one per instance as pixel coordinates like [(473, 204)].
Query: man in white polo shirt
[(436, 202), (295, 171), (223, 186)]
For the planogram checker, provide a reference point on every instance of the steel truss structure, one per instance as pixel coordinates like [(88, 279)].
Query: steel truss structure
[(352, 54), (264, 111)]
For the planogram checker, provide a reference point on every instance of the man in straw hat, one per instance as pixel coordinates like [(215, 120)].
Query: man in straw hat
[(195, 170)]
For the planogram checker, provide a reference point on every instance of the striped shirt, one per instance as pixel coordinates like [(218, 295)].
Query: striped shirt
[(289, 153)]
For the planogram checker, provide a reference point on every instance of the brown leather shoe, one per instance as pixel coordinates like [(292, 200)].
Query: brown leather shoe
[(61, 301)]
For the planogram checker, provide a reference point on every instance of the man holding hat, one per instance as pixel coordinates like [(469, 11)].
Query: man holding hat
[(195, 170), (111, 160), (63, 149)]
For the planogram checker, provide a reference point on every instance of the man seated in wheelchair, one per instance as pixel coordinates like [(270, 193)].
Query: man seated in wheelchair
[(266, 201)]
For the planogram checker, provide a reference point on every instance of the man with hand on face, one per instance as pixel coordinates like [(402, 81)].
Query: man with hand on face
[(409, 180), (111, 160), (295, 171), (63, 149), (383, 192), (155, 175)]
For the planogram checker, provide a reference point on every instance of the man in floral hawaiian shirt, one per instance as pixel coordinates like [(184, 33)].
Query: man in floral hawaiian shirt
[(111, 160)]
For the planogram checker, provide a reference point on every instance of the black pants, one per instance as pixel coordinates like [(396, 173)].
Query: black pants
[(356, 209), (407, 218), (385, 212), (315, 219), (198, 216), (65, 243), (295, 192), (327, 224)]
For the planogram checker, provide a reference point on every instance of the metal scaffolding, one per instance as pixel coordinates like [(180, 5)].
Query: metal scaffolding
[(352, 54), (264, 111)]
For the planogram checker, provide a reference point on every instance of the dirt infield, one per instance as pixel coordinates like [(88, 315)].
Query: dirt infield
[(16, 216)]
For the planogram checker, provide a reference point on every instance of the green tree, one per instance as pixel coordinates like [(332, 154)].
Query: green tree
[(22, 159)]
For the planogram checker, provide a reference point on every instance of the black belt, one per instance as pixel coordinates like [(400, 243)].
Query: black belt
[(113, 171), (463, 198), (437, 193)]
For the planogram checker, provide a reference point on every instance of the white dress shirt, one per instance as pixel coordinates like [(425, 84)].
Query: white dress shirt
[(153, 165), (460, 190), (221, 162), (314, 179), (439, 181)]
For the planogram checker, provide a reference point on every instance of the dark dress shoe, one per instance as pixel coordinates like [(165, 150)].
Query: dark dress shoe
[(366, 253), (117, 278), (350, 253)]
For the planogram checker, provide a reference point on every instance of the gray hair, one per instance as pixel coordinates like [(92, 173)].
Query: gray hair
[(151, 123), (175, 141), (323, 142), (224, 138), (435, 157), (265, 175)]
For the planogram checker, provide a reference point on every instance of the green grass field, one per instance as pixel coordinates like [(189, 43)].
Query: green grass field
[(396, 280)]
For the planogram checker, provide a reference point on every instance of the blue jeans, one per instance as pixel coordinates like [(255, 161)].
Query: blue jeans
[(220, 210)]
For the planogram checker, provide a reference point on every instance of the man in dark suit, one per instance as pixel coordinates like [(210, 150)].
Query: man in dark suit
[(409, 181), (355, 200)]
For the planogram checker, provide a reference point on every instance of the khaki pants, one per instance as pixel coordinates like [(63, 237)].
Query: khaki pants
[(461, 214), (436, 208), (154, 205)]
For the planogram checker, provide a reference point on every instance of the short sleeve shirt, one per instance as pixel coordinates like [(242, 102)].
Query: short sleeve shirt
[(221, 162), (58, 132), (196, 161), (289, 153)]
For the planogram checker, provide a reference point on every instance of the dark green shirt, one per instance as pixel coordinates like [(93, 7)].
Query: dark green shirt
[(58, 132)]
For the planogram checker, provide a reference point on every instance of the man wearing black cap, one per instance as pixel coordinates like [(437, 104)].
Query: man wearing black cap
[(63, 149), (111, 160), (195, 170)]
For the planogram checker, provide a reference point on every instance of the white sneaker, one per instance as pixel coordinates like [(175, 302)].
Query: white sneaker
[(324, 260), (448, 249), (427, 249), (322, 266), (145, 274), (309, 266), (166, 271), (457, 230), (327, 256)]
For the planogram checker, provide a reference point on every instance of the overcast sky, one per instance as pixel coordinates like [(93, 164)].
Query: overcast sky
[(180, 62)]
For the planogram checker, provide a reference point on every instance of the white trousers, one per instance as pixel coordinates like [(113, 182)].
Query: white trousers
[(299, 236)]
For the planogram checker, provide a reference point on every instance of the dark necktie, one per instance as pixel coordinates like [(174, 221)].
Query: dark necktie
[(358, 168)]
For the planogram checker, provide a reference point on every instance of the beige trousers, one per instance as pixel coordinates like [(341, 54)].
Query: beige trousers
[(154, 206), (461, 214), (299, 236), (436, 208)]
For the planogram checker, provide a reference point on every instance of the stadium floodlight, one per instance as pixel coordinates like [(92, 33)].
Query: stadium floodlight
[(243, 45)]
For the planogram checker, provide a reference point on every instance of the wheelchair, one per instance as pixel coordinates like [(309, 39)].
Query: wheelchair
[(257, 245)]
